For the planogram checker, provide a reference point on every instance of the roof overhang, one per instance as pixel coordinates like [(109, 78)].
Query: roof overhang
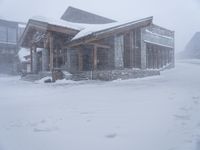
[(110, 31), (35, 26)]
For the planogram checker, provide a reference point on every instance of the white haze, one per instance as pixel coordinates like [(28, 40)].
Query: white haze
[(181, 16)]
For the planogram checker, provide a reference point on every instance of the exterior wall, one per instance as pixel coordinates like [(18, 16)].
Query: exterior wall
[(128, 50), (132, 49), (10, 32), (162, 41), (157, 35)]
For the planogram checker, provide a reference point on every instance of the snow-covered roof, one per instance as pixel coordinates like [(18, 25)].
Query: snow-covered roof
[(20, 25), (90, 29), (23, 52), (81, 16), (58, 22), (86, 29)]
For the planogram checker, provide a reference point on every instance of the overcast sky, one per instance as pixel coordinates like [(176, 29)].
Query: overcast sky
[(182, 16)]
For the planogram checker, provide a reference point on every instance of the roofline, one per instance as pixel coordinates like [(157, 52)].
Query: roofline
[(125, 24), (70, 7), (43, 26), (10, 21), (164, 28), (111, 29)]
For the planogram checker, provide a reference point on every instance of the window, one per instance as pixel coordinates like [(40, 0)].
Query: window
[(3, 34), (20, 32), (12, 35)]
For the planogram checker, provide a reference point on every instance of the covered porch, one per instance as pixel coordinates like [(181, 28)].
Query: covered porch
[(45, 42)]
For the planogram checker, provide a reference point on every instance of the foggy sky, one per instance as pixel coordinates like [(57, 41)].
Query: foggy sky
[(182, 16)]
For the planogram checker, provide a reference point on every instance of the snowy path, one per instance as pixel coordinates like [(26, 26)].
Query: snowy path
[(154, 113)]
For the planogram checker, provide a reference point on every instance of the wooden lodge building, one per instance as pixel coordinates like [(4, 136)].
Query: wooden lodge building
[(93, 47)]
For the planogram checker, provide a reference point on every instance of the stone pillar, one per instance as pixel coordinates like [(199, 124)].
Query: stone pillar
[(119, 51), (45, 59), (34, 60), (143, 50)]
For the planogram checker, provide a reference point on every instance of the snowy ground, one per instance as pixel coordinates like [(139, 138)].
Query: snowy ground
[(155, 113)]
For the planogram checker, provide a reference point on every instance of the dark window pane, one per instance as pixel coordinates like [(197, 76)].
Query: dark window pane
[(12, 35), (3, 33), (20, 31)]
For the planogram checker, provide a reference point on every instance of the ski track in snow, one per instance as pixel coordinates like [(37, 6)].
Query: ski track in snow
[(153, 113)]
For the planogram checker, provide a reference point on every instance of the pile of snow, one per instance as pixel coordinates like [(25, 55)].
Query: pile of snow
[(22, 53), (44, 79)]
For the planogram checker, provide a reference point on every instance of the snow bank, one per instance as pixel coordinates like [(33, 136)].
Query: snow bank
[(22, 53)]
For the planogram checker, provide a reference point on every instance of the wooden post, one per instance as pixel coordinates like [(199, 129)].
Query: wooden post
[(34, 59), (95, 58), (51, 46), (80, 60), (31, 54), (131, 49), (45, 56), (51, 49)]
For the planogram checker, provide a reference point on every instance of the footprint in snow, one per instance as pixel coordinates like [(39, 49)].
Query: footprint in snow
[(198, 145), (171, 98), (111, 136), (182, 117), (184, 109), (45, 129), (43, 121), (34, 124), (196, 97), (88, 120)]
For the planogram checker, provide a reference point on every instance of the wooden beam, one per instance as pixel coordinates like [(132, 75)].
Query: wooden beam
[(62, 30), (80, 60), (131, 49), (51, 46), (100, 45), (31, 54), (95, 58)]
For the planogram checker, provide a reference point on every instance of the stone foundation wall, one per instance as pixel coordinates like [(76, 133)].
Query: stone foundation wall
[(115, 74)]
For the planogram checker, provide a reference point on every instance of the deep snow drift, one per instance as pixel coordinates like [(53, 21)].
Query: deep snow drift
[(155, 113)]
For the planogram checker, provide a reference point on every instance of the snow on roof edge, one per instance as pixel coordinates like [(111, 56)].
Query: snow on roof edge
[(58, 22), (100, 28)]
